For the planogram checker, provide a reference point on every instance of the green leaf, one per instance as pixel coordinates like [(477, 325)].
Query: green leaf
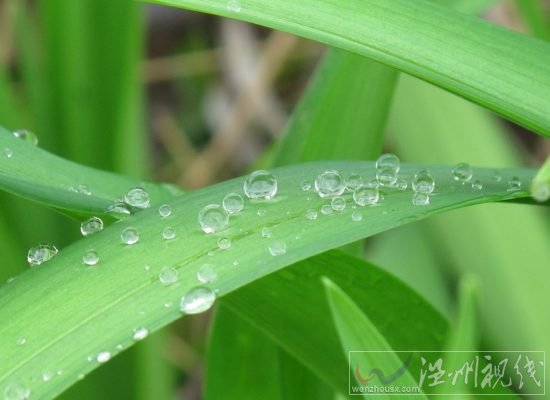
[(357, 332), (24, 174), (533, 13), (389, 32)]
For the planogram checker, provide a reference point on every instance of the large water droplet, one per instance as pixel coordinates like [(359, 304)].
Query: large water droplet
[(27, 136), (168, 233), (330, 184), (311, 214), (354, 181), (40, 254), (140, 333), (338, 203), (277, 248), (224, 243), (90, 258), (233, 203), (129, 236), (423, 182), (16, 391), (420, 199), (213, 218), (260, 185), (364, 195), (137, 197), (462, 172), (388, 160), (103, 357), (168, 275), (514, 184), (197, 300), (91, 226), (206, 274), (165, 210)]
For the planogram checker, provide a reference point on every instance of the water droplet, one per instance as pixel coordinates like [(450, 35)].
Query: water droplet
[(140, 333), (21, 341), (354, 181), (165, 210), (91, 226), (386, 176), (16, 391), (83, 189), (47, 376), (541, 191), (26, 136), (462, 172), (146, 267), (119, 209), (497, 177), (326, 209), (423, 182), (305, 185), (233, 203), (90, 258), (129, 236), (338, 203), (277, 248), (373, 183), (387, 167), (420, 199), (266, 232), (401, 184), (477, 185), (197, 300), (103, 357), (514, 184), (330, 184), (260, 185), (224, 243), (168, 275), (206, 273), (357, 216), (213, 218), (168, 304), (366, 196), (168, 233), (233, 6), (40, 254), (311, 214), (8, 152), (80, 377), (137, 197)]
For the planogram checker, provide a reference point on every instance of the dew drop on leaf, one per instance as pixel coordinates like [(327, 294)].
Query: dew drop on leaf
[(16, 391), (330, 184), (137, 197), (213, 218), (311, 214), (40, 254), (420, 199), (462, 172), (103, 357), (233, 203), (91, 226), (365, 195), (206, 273), (197, 300), (168, 233), (90, 258), (260, 185), (224, 243), (477, 185), (338, 203), (277, 248), (514, 184), (26, 136), (165, 210), (8, 152), (140, 333), (266, 232), (423, 182), (129, 236), (168, 275)]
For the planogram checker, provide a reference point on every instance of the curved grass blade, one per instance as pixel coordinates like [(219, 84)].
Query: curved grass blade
[(72, 188), (389, 32)]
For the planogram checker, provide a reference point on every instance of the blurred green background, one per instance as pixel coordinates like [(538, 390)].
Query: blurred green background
[(182, 97)]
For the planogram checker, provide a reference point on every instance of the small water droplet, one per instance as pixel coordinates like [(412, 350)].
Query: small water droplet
[(236, 263), (197, 300), (364, 196), (91, 226), (354, 181), (423, 182), (477, 185), (40, 254), (326, 209), (260, 212), (16, 391), (137, 197), (168, 304), (330, 184), (103, 357), (26, 136), (8, 152), (168, 233), (47, 376), (213, 218), (338, 203), (119, 209), (401, 184), (21, 341), (266, 232), (387, 167), (129, 236), (420, 199), (233, 6), (168, 275), (90, 258), (146, 267), (165, 210), (260, 185), (206, 273), (514, 184), (497, 177), (233, 203), (462, 172), (140, 333), (224, 243), (311, 214), (305, 185), (357, 216), (277, 248), (80, 377)]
